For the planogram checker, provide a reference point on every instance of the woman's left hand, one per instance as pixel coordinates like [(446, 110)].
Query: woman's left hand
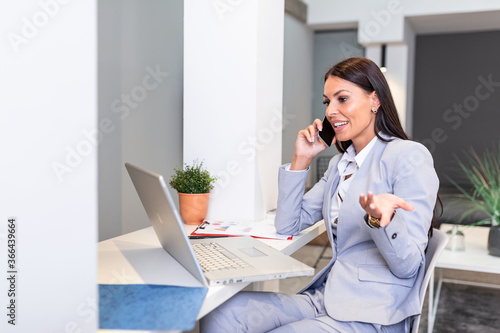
[(382, 206)]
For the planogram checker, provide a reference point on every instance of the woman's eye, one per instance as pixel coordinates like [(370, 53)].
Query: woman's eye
[(342, 99), (326, 102)]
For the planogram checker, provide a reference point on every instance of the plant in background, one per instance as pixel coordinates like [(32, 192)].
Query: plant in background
[(192, 179), (483, 173)]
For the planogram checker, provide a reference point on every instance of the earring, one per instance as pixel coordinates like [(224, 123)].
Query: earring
[(374, 110)]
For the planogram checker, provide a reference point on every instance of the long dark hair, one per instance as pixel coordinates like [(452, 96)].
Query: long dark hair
[(367, 75)]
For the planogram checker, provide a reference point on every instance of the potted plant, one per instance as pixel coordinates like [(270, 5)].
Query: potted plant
[(483, 173), (193, 184)]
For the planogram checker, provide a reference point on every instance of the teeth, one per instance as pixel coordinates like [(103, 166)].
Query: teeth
[(340, 124)]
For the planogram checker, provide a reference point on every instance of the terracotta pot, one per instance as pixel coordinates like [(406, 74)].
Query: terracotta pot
[(193, 207)]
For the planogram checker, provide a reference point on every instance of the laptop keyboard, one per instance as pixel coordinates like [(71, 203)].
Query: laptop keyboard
[(213, 257)]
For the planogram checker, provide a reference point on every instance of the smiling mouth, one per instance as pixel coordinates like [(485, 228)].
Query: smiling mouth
[(339, 124)]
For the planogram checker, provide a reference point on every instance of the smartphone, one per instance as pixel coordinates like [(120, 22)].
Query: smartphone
[(327, 134)]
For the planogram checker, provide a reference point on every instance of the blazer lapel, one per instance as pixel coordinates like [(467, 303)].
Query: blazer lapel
[(331, 185), (350, 208)]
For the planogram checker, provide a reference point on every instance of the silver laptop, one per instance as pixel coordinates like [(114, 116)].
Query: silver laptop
[(239, 259)]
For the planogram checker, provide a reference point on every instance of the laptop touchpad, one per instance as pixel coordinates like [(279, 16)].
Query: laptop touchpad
[(252, 252)]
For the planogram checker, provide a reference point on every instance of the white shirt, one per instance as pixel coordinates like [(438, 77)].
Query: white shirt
[(349, 164)]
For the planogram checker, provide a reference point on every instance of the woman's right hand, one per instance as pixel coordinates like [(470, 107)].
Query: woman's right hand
[(308, 145)]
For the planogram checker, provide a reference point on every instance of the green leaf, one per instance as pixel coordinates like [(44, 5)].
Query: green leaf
[(483, 174), (192, 179)]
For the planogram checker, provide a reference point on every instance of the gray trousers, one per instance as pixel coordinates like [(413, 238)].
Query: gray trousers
[(256, 312)]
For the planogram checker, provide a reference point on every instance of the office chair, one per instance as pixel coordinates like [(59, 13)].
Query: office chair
[(435, 247), (322, 163)]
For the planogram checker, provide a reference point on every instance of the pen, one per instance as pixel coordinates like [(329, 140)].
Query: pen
[(203, 237), (202, 226)]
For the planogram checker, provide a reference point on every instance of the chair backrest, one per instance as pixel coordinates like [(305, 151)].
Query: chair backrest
[(435, 247), (322, 163)]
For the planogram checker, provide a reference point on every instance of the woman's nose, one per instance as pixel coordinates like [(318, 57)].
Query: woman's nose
[(330, 111)]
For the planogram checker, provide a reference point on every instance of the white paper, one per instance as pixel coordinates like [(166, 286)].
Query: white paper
[(262, 229)]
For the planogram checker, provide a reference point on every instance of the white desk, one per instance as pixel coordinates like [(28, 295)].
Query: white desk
[(475, 258), (138, 257)]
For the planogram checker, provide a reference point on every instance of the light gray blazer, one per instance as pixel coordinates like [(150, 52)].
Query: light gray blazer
[(375, 274)]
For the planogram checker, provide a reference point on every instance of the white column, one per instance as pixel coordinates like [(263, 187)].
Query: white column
[(396, 75), (49, 135), (410, 44), (233, 73), (400, 63), (373, 52)]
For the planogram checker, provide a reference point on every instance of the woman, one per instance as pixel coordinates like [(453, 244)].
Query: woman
[(377, 201)]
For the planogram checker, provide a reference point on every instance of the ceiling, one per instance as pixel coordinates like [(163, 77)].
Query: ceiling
[(462, 22)]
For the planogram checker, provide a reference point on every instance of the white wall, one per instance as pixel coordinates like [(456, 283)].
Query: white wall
[(233, 96), (49, 163), (152, 42), (140, 91), (109, 90), (151, 133), (297, 83)]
